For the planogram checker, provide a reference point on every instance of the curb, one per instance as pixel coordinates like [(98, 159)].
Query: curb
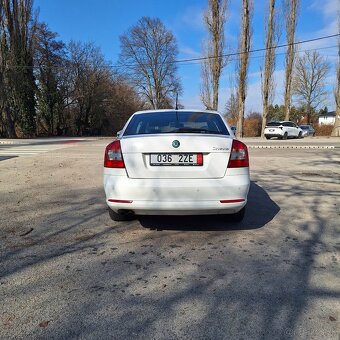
[(6, 142), (291, 146)]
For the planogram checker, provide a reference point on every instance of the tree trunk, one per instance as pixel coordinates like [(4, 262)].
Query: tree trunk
[(10, 126), (309, 113), (267, 85), (336, 128), (214, 18), (243, 66), (291, 20)]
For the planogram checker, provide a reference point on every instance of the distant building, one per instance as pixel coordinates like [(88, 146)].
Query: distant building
[(327, 118)]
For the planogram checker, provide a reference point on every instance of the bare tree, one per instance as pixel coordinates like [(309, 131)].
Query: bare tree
[(231, 107), (336, 128), (3, 122), (214, 19), (206, 95), (148, 53), (267, 81), (244, 62), (309, 80), (18, 24), (50, 57), (124, 102), (290, 14), (90, 88)]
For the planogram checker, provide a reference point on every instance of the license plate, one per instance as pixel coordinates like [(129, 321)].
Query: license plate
[(176, 159), (271, 130)]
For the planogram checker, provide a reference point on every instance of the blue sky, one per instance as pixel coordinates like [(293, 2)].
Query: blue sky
[(103, 21)]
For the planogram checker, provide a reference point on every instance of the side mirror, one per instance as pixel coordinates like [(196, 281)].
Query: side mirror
[(119, 133)]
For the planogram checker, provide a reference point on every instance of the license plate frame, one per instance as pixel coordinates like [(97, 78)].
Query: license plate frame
[(176, 159)]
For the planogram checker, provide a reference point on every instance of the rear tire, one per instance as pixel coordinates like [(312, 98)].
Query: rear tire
[(238, 217), (300, 135), (119, 217), (285, 136)]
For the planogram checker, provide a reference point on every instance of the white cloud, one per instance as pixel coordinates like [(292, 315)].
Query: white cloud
[(329, 11), (328, 8), (192, 18), (188, 52)]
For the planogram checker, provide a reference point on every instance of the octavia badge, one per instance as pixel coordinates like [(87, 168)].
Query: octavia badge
[(175, 143)]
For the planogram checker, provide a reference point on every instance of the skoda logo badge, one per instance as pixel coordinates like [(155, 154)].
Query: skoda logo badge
[(175, 143)]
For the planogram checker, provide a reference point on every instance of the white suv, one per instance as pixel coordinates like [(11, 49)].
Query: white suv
[(282, 130)]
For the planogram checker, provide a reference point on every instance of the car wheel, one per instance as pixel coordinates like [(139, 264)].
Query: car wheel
[(238, 217), (119, 217), (285, 136), (267, 137), (300, 135)]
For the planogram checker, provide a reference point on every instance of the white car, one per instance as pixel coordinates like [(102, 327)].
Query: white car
[(176, 162), (282, 130)]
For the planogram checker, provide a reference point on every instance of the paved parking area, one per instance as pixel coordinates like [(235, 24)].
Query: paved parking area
[(68, 271)]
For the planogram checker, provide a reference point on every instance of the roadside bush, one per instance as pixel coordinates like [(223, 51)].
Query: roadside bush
[(323, 130), (252, 125)]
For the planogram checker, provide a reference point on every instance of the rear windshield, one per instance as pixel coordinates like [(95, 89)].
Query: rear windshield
[(274, 124), (176, 122)]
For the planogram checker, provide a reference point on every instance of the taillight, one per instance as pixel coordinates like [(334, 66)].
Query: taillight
[(199, 159), (113, 156), (239, 155)]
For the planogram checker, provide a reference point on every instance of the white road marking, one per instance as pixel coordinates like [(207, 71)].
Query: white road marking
[(31, 150), (291, 146)]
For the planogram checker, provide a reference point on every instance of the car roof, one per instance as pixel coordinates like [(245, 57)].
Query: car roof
[(181, 110), (281, 121)]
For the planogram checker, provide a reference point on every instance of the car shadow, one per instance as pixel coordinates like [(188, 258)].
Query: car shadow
[(260, 210), (4, 158)]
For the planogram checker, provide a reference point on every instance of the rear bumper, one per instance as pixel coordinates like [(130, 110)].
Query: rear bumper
[(177, 196), (178, 208), (273, 135)]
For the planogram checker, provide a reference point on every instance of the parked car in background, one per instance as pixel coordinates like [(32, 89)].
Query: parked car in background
[(176, 162), (282, 130), (307, 130)]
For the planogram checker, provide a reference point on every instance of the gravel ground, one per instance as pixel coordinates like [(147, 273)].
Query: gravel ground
[(68, 271)]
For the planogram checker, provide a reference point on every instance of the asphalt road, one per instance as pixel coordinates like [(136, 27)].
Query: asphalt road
[(68, 271)]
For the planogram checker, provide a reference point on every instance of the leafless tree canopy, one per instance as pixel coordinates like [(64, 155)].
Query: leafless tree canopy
[(48, 88), (49, 56), (247, 10), (213, 48), (269, 67), (309, 80), (291, 8), (231, 108), (148, 53)]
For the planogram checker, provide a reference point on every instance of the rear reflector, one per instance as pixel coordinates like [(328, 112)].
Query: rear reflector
[(113, 156), (119, 201), (199, 159), (232, 201), (239, 155)]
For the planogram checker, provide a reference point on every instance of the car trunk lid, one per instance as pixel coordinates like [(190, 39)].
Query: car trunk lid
[(215, 149)]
